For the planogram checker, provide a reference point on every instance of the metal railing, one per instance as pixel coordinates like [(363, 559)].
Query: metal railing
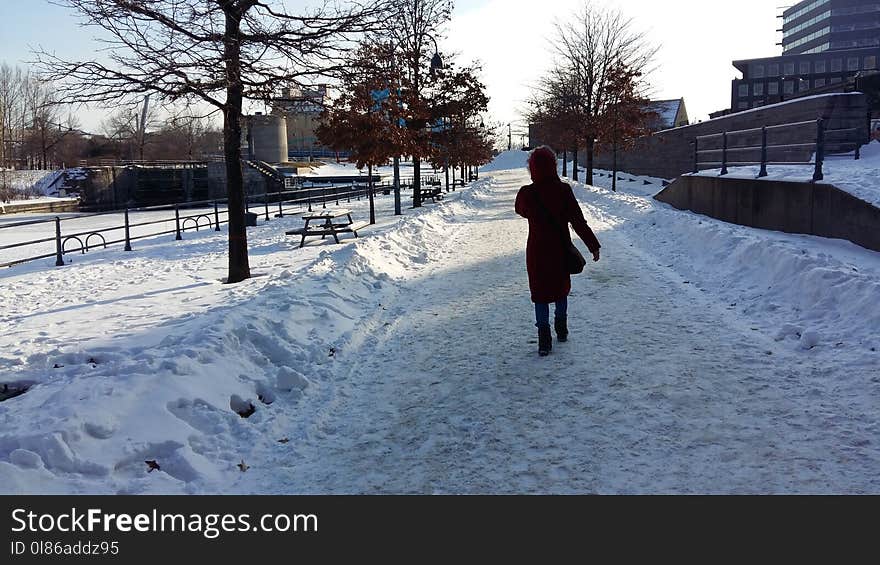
[(195, 215), (739, 144)]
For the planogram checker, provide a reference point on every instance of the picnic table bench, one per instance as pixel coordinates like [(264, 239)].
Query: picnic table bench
[(432, 190), (331, 222)]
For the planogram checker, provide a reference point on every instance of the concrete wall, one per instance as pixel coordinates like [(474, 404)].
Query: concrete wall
[(792, 207), (114, 188), (670, 153), (41, 207)]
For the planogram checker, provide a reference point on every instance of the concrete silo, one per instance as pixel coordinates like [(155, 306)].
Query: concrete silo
[(268, 138)]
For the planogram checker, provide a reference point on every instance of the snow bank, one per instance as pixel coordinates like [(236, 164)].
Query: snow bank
[(514, 159), (148, 357), (811, 292)]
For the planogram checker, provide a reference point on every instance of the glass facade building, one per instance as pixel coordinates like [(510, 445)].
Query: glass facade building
[(825, 44), (815, 26)]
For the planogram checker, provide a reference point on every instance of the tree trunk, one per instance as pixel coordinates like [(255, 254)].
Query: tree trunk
[(446, 170), (575, 176), (370, 188), (417, 182), (239, 269), (614, 168), (590, 148), (565, 162)]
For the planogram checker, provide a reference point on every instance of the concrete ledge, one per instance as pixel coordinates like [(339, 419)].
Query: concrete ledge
[(791, 207), (39, 207)]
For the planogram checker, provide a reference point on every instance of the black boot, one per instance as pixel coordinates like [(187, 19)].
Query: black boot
[(545, 341), (561, 329)]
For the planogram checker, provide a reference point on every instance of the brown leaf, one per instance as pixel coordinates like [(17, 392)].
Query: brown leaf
[(284, 440), (153, 466), (243, 466)]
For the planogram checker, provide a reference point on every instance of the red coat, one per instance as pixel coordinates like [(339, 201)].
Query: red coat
[(549, 280)]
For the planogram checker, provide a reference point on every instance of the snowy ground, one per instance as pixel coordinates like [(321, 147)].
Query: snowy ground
[(704, 357), (331, 168), (30, 185)]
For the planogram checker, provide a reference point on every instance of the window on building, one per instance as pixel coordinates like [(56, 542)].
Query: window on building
[(820, 82), (836, 80), (819, 66), (773, 88), (871, 63), (803, 85), (773, 70), (852, 63), (757, 71), (805, 67), (836, 65), (743, 105), (788, 87), (788, 69), (743, 90), (758, 89)]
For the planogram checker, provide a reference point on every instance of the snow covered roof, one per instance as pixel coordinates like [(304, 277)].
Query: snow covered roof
[(671, 113)]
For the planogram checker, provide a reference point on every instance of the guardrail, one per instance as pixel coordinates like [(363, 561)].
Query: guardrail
[(820, 145), (209, 214)]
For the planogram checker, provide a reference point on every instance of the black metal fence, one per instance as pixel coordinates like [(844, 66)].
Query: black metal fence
[(210, 214), (774, 145)]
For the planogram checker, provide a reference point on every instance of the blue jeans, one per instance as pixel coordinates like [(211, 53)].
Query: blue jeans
[(542, 312)]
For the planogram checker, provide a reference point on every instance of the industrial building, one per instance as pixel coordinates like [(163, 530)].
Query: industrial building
[(301, 107)]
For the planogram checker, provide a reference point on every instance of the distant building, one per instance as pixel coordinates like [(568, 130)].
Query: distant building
[(826, 44), (816, 26), (670, 114), (302, 106)]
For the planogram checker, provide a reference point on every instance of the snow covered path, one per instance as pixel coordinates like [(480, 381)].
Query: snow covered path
[(660, 389)]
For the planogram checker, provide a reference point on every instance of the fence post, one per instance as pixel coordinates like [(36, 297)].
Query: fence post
[(216, 217), (858, 151), (280, 213), (309, 198), (724, 153), (177, 222), (763, 172), (820, 149), (696, 155), (59, 259), (127, 233), (324, 198), (266, 205)]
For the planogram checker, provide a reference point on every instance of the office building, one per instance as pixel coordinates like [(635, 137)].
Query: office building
[(826, 45)]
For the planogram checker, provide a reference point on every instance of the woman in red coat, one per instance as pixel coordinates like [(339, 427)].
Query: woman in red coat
[(549, 205)]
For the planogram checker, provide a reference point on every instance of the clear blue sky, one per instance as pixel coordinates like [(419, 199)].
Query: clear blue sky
[(698, 41)]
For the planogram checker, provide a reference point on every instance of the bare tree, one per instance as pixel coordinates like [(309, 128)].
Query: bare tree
[(590, 46), (13, 113), (124, 127), (216, 52)]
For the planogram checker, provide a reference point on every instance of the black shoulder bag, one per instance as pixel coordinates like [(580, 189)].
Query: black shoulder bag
[(574, 261)]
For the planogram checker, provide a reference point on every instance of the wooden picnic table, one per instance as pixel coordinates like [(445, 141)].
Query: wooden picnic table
[(328, 222)]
